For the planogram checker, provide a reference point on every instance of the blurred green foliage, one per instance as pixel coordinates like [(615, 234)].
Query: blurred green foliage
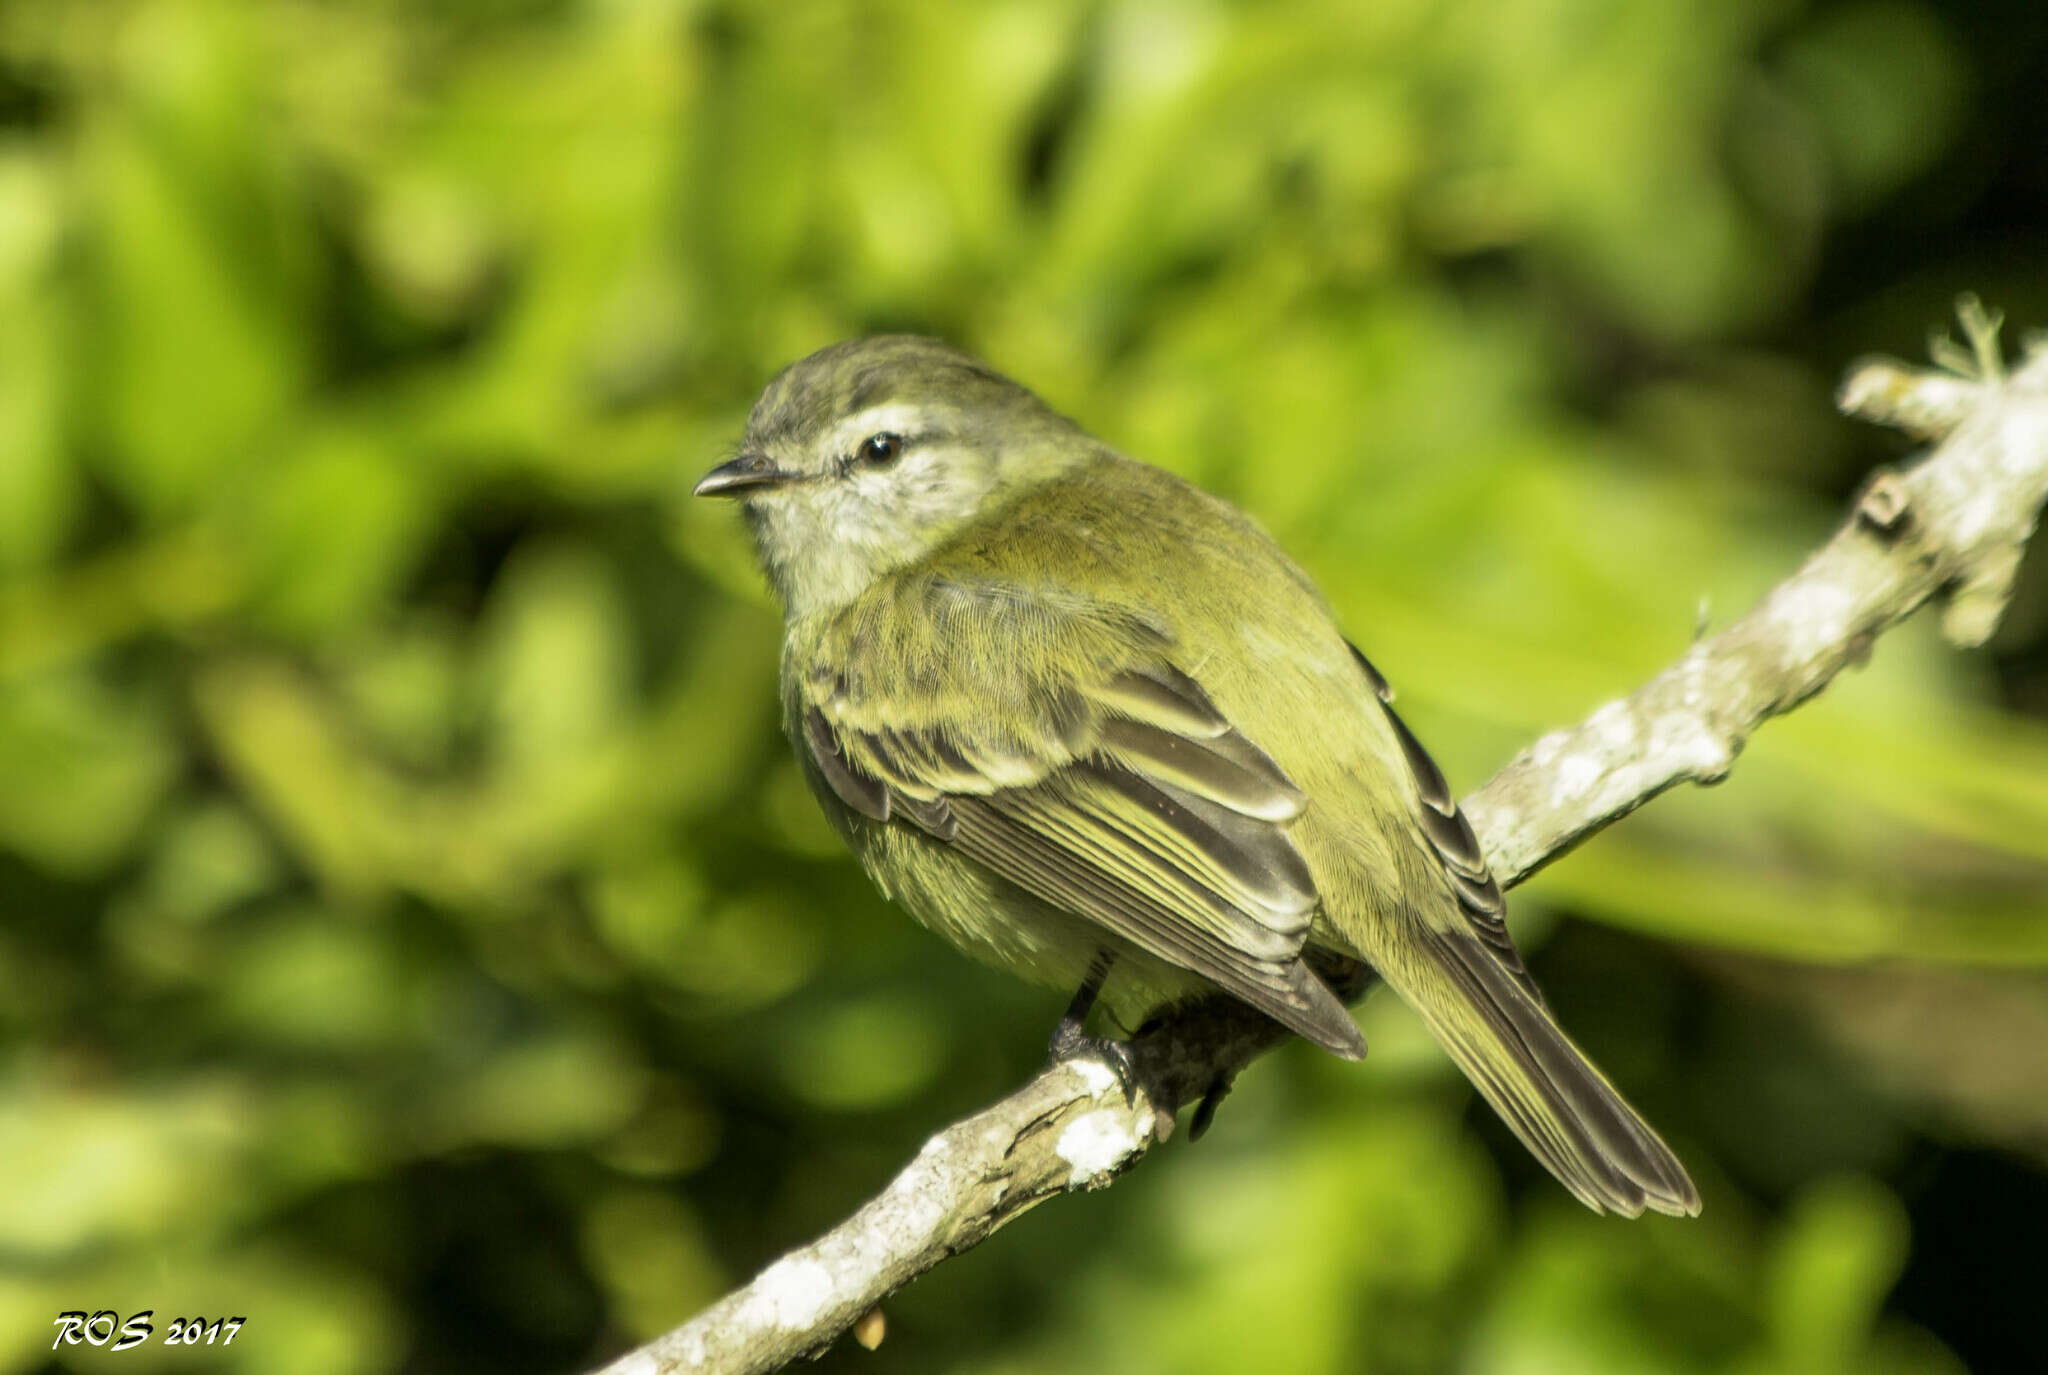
[(413, 935)]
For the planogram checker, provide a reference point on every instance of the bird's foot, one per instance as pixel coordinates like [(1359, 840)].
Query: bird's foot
[(1070, 1043)]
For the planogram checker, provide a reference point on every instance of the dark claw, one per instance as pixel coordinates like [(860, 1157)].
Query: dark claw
[(1205, 1111), (1069, 1042)]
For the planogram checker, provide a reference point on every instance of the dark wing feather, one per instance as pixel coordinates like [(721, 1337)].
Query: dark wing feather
[(1451, 838), (860, 791), (1553, 1098), (1561, 1107), (1132, 803)]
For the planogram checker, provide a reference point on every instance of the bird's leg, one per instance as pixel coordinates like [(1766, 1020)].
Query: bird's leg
[(1071, 1042), (1069, 1029)]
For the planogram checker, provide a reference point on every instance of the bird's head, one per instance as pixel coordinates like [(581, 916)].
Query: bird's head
[(869, 454)]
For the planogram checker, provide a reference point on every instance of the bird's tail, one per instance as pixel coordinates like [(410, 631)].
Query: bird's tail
[(1544, 1088)]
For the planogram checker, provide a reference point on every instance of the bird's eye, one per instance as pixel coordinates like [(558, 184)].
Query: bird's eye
[(880, 450)]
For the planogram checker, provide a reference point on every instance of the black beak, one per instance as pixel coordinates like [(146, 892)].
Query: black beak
[(742, 475)]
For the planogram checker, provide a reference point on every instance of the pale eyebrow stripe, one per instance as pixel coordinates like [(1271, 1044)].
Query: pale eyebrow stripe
[(893, 417)]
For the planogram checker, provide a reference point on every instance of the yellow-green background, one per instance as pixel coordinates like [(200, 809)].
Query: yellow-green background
[(414, 935)]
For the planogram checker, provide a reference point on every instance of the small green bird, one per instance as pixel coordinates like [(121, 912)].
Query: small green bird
[(1089, 723)]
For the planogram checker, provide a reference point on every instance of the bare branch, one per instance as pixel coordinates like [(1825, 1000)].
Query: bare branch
[(1955, 523)]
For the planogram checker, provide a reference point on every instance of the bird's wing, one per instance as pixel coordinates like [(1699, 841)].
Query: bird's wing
[(1118, 793), (1451, 840)]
